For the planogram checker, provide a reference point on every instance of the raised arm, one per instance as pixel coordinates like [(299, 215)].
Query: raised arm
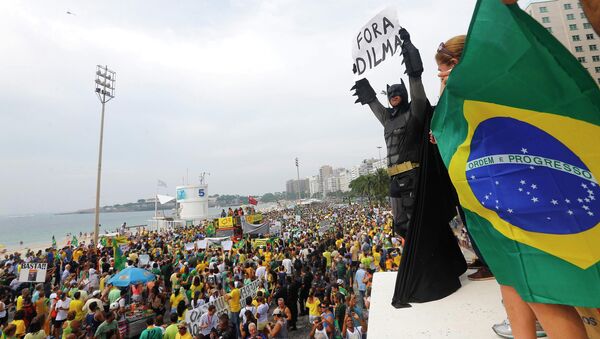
[(366, 96), (414, 69)]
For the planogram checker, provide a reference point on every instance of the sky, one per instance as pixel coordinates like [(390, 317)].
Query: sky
[(235, 88)]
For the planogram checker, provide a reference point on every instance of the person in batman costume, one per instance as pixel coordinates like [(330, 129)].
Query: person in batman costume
[(422, 196)]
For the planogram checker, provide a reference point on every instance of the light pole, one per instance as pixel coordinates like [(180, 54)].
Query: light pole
[(105, 90), (298, 181), (379, 149)]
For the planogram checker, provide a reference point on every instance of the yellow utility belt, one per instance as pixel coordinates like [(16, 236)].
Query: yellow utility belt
[(401, 168)]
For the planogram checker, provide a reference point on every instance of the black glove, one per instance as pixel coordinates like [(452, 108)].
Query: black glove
[(404, 35), (412, 57), (364, 92)]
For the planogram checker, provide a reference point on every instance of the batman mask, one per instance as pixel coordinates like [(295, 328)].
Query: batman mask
[(398, 90)]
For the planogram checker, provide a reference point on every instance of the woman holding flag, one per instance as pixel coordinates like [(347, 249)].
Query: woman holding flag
[(538, 278)]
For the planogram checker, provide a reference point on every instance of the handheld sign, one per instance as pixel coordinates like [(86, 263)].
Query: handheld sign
[(377, 41), (33, 272)]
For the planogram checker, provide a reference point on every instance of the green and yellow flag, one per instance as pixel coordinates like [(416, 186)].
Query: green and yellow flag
[(518, 129), (119, 242)]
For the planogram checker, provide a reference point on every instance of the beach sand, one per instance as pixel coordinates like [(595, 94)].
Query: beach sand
[(41, 246)]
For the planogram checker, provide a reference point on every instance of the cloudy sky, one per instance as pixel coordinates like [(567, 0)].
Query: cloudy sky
[(236, 88)]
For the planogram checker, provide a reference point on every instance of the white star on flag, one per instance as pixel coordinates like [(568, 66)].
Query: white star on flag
[(570, 212), (472, 177), (522, 182), (567, 201), (534, 199), (585, 207), (579, 199), (524, 150), (583, 185), (554, 202), (509, 210), (534, 186), (531, 167), (586, 200), (520, 189), (590, 192), (497, 183), (592, 197), (590, 214)]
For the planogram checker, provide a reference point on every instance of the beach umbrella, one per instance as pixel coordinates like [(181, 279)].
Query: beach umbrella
[(131, 276)]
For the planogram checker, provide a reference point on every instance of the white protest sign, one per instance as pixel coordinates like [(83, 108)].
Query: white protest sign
[(227, 245), (192, 317), (377, 41), (189, 246), (298, 218), (144, 259), (33, 272), (201, 244)]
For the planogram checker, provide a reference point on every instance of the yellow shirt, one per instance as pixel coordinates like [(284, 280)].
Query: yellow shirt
[(21, 330), (338, 243), (313, 308), (77, 306), (397, 260), (175, 300), (234, 302), (19, 303), (327, 256), (77, 254), (377, 258), (187, 335)]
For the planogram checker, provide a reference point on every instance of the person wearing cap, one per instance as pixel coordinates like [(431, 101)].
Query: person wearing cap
[(279, 328), (182, 331), (95, 297)]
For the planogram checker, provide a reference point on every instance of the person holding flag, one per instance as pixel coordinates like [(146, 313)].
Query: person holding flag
[(517, 126)]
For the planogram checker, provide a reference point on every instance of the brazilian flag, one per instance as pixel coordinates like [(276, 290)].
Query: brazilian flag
[(518, 129)]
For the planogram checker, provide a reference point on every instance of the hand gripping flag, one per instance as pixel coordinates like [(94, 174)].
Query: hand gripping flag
[(518, 129)]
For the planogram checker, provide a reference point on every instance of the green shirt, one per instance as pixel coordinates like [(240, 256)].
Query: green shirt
[(170, 332), (104, 328), (151, 333), (113, 295)]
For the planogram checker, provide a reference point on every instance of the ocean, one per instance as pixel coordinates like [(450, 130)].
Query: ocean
[(39, 228)]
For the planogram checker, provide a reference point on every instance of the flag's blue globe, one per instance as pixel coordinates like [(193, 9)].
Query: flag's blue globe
[(531, 179)]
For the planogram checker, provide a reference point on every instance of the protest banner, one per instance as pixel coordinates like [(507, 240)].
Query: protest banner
[(189, 246), (226, 222), (33, 272), (192, 317), (227, 245), (376, 41)]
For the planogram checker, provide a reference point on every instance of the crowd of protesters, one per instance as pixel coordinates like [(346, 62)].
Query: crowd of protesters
[(320, 265)]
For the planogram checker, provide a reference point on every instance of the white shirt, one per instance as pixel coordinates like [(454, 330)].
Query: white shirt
[(61, 313), (287, 264), (209, 320), (263, 313), (261, 272), (357, 334)]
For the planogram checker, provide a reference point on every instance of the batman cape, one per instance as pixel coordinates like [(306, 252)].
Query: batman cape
[(432, 261)]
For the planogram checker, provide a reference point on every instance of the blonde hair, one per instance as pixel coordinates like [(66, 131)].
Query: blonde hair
[(451, 49)]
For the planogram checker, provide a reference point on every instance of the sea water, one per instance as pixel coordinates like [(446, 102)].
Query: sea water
[(39, 228)]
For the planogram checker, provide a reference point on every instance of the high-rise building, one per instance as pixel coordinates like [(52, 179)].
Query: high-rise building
[(314, 185), (567, 22), (292, 187)]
